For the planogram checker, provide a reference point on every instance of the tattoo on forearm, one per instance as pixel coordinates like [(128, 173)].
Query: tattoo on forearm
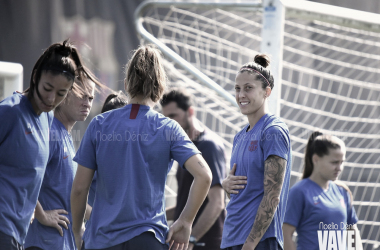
[(273, 178), (200, 163)]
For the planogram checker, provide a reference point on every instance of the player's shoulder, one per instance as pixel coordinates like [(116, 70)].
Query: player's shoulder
[(12, 105), (300, 186), (109, 117), (161, 120), (274, 123), (341, 186)]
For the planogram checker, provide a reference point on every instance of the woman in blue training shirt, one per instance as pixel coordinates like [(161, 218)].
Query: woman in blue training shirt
[(261, 152), (24, 138), (130, 148), (319, 201), (53, 211)]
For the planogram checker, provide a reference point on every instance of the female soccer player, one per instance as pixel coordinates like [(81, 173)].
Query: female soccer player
[(24, 138), (130, 148), (318, 202), (53, 211), (261, 152)]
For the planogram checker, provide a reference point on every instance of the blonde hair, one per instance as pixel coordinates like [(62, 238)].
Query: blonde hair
[(145, 73)]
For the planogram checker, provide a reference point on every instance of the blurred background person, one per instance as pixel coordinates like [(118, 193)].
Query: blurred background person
[(208, 224), (319, 197)]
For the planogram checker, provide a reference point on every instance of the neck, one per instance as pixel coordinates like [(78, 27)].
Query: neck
[(69, 124), (195, 129), (323, 183), (34, 104), (142, 101), (255, 117)]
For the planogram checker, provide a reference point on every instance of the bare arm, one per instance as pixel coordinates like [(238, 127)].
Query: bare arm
[(274, 173), (79, 193), (52, 218), (233, 182), (289, 230), (210, 213), (179, 232)]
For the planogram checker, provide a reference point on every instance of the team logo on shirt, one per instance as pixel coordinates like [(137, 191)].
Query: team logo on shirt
[(29, 129), (253, 146)]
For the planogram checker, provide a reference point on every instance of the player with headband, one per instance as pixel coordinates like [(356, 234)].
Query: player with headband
[(261, 157)]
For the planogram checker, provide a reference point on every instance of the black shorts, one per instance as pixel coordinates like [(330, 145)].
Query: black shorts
[(144, 241), (9, 243)]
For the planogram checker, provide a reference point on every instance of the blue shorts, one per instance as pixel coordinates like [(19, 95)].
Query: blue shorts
[(144, 241), (267, 244), (9, 243)]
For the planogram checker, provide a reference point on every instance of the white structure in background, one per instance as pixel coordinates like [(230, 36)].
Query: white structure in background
[(11, 75), (325, 61)]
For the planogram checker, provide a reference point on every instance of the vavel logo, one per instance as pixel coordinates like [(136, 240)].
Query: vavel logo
[(336, 237)]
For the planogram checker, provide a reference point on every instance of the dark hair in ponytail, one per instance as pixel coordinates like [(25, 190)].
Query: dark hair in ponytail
[(61, 58), (318, 144), (114, 101), (258, 67), (146, 74)]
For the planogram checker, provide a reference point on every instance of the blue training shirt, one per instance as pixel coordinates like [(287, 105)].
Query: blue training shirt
[(309, 206), (24, 152), (55, 191), (130, 148), (269, 136)]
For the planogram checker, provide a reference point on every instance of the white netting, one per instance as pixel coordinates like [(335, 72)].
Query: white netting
[(330, 82)]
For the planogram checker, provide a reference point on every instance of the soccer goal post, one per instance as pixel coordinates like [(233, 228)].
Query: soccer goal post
[(10, 78), (325, 60)]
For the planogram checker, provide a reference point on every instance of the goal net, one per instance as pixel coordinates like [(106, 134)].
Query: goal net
[(330, 82)]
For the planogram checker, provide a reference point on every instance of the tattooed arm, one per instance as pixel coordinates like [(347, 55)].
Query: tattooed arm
[(274, 173), (179, 232)]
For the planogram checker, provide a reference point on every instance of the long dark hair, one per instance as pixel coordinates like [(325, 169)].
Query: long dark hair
[(60, 58), (320, 145), (114, 101), (259, 67)]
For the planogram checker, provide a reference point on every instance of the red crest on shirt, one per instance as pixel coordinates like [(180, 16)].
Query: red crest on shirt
[(253, 146)]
